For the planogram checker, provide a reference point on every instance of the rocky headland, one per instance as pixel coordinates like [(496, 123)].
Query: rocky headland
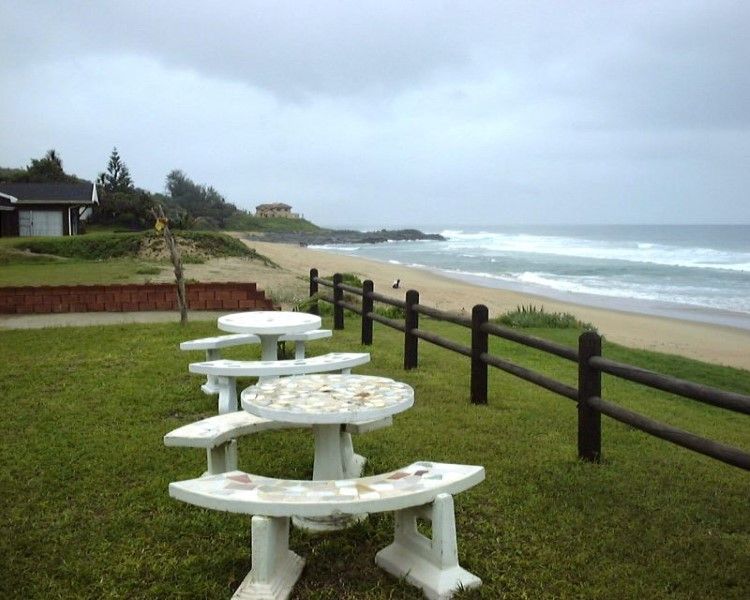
[(342, 236)]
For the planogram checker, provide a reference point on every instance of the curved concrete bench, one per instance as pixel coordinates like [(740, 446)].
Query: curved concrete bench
[(219, 434), (212, 346), (227, 371), (420, 490)]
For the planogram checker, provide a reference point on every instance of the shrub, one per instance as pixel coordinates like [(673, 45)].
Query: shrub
[(347, 278), (390, 312), (531, 316), (88, 247), (324, 308)]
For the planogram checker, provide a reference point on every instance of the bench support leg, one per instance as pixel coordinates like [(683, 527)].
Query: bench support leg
[(227, 395), (223, 458), (212, 383), (299, 350), (352, 464), (431, 565), (275, 568)]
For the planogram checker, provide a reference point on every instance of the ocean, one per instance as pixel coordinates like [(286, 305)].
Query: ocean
[(694, 272)]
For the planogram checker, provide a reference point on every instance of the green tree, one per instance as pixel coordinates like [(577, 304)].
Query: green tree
[(205, 207), (47, 169), (130, 210), (120, 202), (117, 177), (11, 175)]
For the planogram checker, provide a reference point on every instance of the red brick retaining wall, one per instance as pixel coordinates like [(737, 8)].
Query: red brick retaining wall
[(131, 297)]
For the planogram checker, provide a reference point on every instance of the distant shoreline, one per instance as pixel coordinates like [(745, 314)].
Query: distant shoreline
[(342, 236), (696, 274), (722, 344), (671, 310)]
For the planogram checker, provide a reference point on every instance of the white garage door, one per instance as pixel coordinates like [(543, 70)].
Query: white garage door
[(40, 222)]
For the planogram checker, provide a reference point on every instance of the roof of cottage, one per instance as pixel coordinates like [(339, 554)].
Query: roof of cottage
[(45, 193)]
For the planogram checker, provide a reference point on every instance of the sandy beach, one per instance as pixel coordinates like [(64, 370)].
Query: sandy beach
[(712, 343)]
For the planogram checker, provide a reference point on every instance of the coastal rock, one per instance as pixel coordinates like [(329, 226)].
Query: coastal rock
[(344, 236)]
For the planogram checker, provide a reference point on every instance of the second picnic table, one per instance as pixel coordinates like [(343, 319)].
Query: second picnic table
[(269, 326)]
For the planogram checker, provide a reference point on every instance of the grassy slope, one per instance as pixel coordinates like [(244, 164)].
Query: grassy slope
[(102, 257), (251, 223), (86, 510), (98, 246)]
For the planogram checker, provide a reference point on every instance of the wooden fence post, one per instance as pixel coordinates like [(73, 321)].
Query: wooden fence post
[(338, 296), (589, 384), (367, 307), (411, 321), (314, 292), (479, 345)]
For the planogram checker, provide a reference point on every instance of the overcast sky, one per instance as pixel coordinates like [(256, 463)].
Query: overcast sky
[(392, 113)]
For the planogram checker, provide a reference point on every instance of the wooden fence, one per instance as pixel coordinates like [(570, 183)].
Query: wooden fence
[(588, 357)]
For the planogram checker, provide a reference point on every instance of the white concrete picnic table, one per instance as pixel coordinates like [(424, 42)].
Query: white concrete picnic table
[(327, 402), (269, 326)]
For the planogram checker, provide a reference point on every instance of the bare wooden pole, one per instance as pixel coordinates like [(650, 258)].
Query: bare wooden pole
[(162, 224), (589, 386), (411, 322), (367, 308), (479, 346), (338, 298), (314, 292)]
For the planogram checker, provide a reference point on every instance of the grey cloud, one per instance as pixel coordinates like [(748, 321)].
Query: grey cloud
[(347, 110)]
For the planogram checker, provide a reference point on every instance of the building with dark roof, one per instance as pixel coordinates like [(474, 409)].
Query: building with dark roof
[(55, 209)]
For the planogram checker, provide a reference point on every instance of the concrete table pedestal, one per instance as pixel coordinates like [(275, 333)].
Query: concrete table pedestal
[(327, 402)]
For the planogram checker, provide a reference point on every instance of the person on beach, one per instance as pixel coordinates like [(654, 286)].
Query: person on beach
[(396, 284)]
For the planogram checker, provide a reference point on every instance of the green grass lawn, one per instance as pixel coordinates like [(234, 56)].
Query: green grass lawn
[(80, 272), (86, 512), (19, 267)]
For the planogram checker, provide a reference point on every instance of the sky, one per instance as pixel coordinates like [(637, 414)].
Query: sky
[(393, 113)]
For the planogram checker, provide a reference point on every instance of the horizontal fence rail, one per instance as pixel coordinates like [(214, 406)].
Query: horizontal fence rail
[(351, 307), (531, 341), (392, 323), (441, 315), (442, 342), (688, 389), (387, 300), (591, 366), (548, 383), (688, 440), (351, 289)]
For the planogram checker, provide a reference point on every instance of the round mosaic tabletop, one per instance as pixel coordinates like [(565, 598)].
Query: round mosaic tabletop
[(269, 322), (325, 399)]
